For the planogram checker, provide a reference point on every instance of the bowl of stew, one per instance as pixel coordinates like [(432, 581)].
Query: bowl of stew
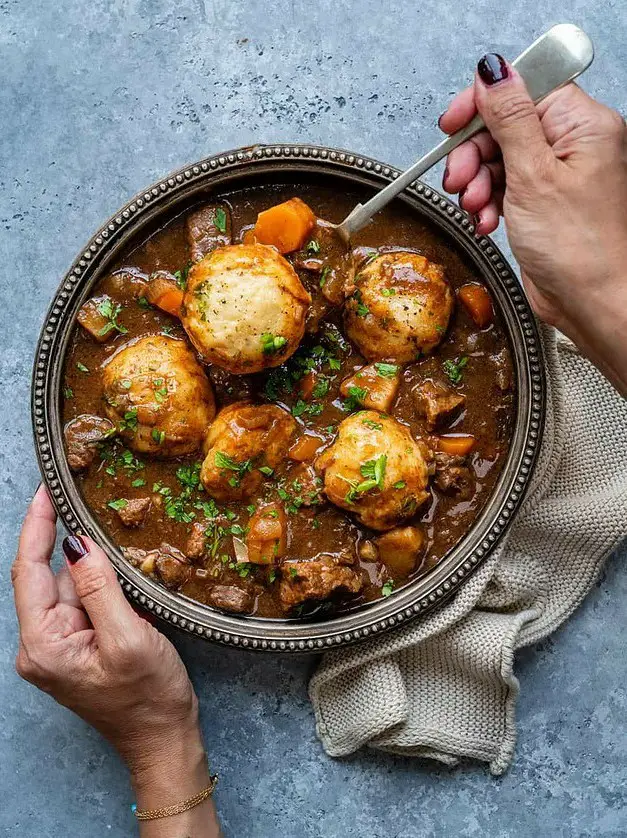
[(283, 442)]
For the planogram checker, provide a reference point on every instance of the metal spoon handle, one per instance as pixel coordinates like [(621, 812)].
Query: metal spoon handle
[(557, 57)]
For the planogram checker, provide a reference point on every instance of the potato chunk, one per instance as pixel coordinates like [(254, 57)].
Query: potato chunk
[(380, 383), (99, 317), (267, 534), (399, 550)]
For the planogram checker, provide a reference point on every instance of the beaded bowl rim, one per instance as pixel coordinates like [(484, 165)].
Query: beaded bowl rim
[(416, 598)]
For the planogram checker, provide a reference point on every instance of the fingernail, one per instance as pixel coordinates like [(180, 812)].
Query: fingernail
[(492, 68), (440, 121), (74, 548), (460, 197)]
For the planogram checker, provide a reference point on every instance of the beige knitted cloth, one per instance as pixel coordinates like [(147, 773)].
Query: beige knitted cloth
[(443, 686)]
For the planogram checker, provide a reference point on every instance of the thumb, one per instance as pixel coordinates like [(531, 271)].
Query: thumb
[(508, 111), (99, 591)]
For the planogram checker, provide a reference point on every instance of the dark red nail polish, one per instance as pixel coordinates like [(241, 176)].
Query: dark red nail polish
[(74, 548), (492, 68)]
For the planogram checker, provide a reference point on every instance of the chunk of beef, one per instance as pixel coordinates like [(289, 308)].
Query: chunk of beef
[(196, 546), (316, 580), (207, 228), (231, 598), (97, 317), (82, 436), (437, 402), (503, 369), (128, 284), (133, 512), (452, 475), (172, 566)]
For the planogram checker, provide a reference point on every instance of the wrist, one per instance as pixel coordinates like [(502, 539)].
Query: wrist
[(170, 769)]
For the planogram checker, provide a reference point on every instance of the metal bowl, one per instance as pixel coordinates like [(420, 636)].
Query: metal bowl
[(291, 163)]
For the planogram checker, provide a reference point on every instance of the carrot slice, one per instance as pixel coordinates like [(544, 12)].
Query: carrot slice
[(456, 444), (478, 302), (170, 301), (286, 225), (305, 448)]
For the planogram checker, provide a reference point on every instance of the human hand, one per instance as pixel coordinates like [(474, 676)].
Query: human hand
[(81, 641), (558, 173)]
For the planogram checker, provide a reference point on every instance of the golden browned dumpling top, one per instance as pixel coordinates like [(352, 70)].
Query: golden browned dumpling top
[(399, 307), (245, 441), (158, 396), (244, 308), (375, 469)]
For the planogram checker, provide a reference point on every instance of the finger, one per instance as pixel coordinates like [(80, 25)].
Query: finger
[(478, 191), (100, 593), (461, 167), (488, 147), (488, 217), (497, 173), (34, 582), (459, 113), (510, 116), (67, 591)]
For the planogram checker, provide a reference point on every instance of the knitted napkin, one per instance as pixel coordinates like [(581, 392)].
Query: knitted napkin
[(444, 685)]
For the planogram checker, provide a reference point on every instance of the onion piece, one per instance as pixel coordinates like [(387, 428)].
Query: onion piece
[(241, 550)]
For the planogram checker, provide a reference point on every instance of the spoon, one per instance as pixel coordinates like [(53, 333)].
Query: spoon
[(557, 57)]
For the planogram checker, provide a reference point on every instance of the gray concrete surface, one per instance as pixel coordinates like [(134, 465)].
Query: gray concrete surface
[(97, 100)]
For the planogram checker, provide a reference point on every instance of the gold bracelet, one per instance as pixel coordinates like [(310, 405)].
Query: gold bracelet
[(178, 808)]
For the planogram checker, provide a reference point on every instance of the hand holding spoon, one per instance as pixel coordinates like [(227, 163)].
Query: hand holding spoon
[(556, 58)]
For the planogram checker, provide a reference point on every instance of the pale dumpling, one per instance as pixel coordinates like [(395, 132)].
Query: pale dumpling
[(244, 308), (376, 470), (398, 307), (158, 396)]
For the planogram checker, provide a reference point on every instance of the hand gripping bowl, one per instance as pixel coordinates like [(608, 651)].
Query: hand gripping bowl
[(343, 170)]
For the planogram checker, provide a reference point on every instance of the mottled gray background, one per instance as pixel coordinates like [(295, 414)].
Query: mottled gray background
[(97, 100)]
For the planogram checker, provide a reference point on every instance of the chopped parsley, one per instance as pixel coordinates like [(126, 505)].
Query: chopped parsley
[(302, 407), (160, 389), (370, 423), (374, 472), (118, 504), (361, 309), (267, 471), (355, 398), (82, 368), (158, 436), (293, 573), (110, 311), (226, 463), (386, 370), (272, 575), (220, 220), (313, 246), (271, 344), (323, 276), (454, 369), (189, 476), (68, 393), (138, 482), (129, 422), (388, 292), (400, 484), (321, 388), (181, 276), (125, 383), (142, 302), (388, 588)]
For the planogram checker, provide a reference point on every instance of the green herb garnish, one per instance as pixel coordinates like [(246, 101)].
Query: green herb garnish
[(271, 344), (220, 220), (388, 588), (110, 312), (355, 398), (158, 436), (82, 368), (386, 370), (454, 369), (118, 504)]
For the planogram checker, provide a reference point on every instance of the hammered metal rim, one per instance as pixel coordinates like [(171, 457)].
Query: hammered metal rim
[(382, 615)]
